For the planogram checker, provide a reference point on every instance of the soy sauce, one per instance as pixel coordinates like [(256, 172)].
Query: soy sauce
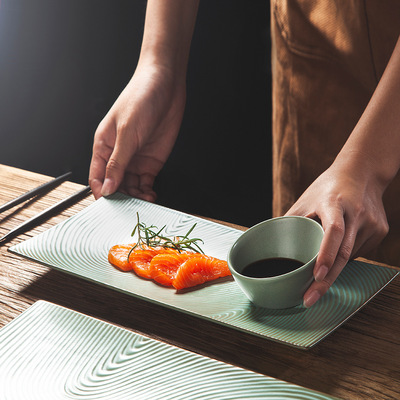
[(269, 267)]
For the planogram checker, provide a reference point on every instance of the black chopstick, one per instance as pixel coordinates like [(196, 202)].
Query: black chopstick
[(47, 213), (36, 191)]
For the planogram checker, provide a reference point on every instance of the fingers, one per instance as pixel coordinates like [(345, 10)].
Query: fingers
[(119, 166), (336, 244), (335, 251), (98, 167), (124, 149), (103, 144), (134, 184), (96, 185), (326, 276), (345, 238), (140, 186), (111, 156), (355, 241), (96, 177), (352, 214), (113, 178)]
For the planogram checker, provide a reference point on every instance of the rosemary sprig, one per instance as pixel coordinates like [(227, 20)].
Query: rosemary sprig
[(153, 237)]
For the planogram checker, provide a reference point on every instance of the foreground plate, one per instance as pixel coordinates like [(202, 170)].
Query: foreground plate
[(50, 352), (80, 246)]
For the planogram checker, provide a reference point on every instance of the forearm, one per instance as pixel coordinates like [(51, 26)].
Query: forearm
[(168, 33), (375, 141)]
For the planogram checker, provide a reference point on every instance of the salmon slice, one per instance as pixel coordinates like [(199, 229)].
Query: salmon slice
[(199, 269), (140, 260), (167, 266), (118, 256), (164, 266)]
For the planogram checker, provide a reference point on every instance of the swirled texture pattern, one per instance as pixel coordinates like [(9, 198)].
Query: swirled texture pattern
[(50, 352), (80, 246)]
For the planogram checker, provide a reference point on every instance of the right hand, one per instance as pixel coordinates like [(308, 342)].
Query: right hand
[(133, 141), (347, 200)]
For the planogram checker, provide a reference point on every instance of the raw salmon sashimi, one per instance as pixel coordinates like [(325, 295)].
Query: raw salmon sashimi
[(167, 266), (199, 269), (139, 258), (164, 266), (118, 256)]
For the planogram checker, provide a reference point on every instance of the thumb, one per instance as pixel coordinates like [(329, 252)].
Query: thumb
[(116, 166), (113, 178)]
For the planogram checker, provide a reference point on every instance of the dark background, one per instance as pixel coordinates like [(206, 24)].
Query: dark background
[(63, 63)]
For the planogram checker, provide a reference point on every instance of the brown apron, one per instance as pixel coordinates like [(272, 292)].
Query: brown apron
[(327, 58)]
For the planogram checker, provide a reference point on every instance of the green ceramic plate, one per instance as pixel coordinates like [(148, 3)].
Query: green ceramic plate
[(50, 352), (80, 246)]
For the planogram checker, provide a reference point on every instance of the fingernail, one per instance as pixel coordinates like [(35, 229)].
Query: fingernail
[(108, 187), (321, 273), (311, 298)]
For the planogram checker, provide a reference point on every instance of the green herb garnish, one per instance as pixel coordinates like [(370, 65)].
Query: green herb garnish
[(153, 237)]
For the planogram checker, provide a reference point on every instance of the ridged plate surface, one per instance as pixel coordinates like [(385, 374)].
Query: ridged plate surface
[(50, 352), (80, 246)]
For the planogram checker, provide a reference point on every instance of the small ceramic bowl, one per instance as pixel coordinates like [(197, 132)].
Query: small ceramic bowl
[(291, 237)]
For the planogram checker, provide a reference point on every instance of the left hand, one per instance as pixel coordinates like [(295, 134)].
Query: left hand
[(347, 200), (136, 136)]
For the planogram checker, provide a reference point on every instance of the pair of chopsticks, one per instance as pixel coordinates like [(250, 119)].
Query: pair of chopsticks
[(48, 212)]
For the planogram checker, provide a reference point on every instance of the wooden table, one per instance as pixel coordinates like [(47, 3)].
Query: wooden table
[(360, 360)]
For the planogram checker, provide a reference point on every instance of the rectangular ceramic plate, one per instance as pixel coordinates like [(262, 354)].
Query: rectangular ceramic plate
[(80, 246), (50, 352)]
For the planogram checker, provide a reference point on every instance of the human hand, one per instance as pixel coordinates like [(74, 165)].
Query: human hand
[(347, 200), (133, 141)]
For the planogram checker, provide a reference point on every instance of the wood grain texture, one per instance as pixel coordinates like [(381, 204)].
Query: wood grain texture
[(360, 360)]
